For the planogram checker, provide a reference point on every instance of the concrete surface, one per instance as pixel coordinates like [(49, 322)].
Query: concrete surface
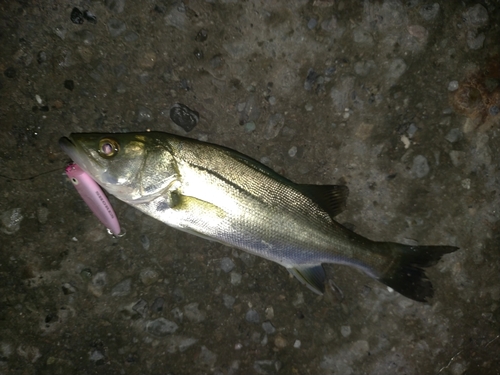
[(399, 100)]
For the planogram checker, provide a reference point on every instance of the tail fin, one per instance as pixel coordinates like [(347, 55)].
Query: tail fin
[(406, 274)]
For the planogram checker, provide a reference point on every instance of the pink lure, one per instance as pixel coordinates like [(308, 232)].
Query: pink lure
[(93, 195)]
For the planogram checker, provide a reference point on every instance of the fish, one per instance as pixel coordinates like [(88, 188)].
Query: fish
[(222, 195)]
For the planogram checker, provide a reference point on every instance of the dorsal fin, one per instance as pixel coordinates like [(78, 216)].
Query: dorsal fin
[(331, 198)]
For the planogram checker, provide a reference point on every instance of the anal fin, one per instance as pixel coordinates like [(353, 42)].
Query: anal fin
[(312, 276)]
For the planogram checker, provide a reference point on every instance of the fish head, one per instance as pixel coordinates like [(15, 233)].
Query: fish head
[(134, 167)]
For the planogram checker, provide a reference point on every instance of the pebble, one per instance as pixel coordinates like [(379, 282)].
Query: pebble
[(429, 11), (177, 314), (67, 288), (144, 114), (272, 100), (457, 157), (141, 307), (313, 22), (228, 300), (269, 312), (311, 79), (76, 16), (249, 127), (274, 125), (252, 316), (362, 68), (116, 6), (477, 16), (89, 16), (226, 264), (249, 111), (268, 327), (122, 288), (145, 241), (420, 167), (454, 135), (69, 84), (131, 36), (96, 355), (453, 86), (201, 36), (396, 69), (297, 344), (235, 278), (280, 342), (345, 331), (60, 32), (308, 107), (184, 116), (161, 327), (11, 220), (42, 214), (292, 151), (207, 357), (362, 36), (494, 110), (157, 305), (192, 312), (116, 27), (474, 40), (147, 60), (149, 276)]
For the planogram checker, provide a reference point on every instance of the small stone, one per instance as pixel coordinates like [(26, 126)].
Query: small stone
[(183, 116), (69, 84), (292, 151), (67, 288), (116, 27), (299, 300), (297, 344), (193, 313), (228, 301), (272, 100), (177, 314), (144, 114), (269, 312), (207, 357), (466, 183), (226, 264), (144, 241), (131, 36), (122, 288), (11, 220), (76, 16), (420, 166), (10, 72), (96, 356), (345, 331), (362, 68), (147, 60), (252, 316), (311, 79), (249, 127), (494, 110), (396, 69), (454, 135), (116, 6), (280, 342), (268, 327), (412, 129), (161, 327), (157, 305), (453, 86), (429, 11), (89, 16), (362, 36), (274, 125), (198, 53), (313, 22), (185, 343), (201, 36), (60, 32), (309, 107), (42, 214), (141, 307), (235, 278), (457, 157), (477, 16), (149, 276), (475, 41)]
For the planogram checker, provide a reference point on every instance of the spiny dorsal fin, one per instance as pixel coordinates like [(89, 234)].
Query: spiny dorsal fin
[(331, 198)]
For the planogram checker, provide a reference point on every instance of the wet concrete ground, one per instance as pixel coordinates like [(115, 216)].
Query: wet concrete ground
[(399, 100)]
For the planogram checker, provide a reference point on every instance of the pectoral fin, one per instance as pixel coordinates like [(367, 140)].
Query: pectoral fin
[(313, 276)]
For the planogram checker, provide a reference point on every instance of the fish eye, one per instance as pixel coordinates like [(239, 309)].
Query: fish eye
[(108, 147)]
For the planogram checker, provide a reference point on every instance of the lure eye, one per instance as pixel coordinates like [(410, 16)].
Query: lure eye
[(108, 147)]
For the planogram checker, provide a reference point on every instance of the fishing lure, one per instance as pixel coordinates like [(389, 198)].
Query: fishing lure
[(93, 195)]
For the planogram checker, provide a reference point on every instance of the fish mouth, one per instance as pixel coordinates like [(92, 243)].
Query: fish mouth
[(78, 154)]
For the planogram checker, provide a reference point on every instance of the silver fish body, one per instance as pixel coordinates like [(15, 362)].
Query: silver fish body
[(222, 195)]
